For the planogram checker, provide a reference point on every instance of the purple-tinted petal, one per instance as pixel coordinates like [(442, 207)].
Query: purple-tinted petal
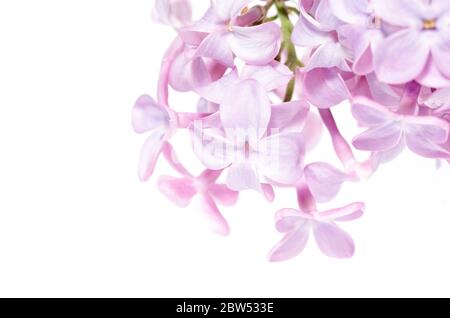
[(257, 45), (286, 220), (325, 88), (268, 192), (149, 154), (400, 12), (215, 91), (179, 191), (211, 147), (380, 138), (289, 114), (441, 53), (271, 76), (216, 47), (324, 181), (245, 109), (280, 157), (215, 219), (242, 176), (427, 135), (431, 76), (147, 114), (333, 241), (223, 195), (382, 93), (401, 57), (351, 11), (228, 9), (328, 55), (292, 244), (439, 99), (307, 33), (172, 12), (369, 113), (347, 213), (325, 16), (187, 73), (380, 157)]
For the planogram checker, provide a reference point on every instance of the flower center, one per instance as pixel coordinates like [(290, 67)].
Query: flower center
[(429, 24), (229, 27), (244, 11)]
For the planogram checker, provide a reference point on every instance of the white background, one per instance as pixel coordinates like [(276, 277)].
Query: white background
[(75, 220)]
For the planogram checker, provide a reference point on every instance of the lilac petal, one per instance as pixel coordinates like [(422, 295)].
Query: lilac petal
[(435, 129), (223, 195), (324, 181), (229, 9), (389, 10), (441, 53), (215, 218), (347, 213), (439, 99), (325, 88), (363, 62), (216, 47), (351, 11), (401, 57), (172, 12), (212, 148), (215, 91), (268, 192), (431, 76), (257, 45), (149, 154), (426, 136), (271, 76), (325, 16), (382, 93), (287, 220), (380, 138), (333, 241), (148, 114), (206, 107), (242, 176), (187, 73), (380, 157), (280, 157), (291, 245), (179, 191), (307, 33), (245, 109), (369, 113), (289, 114), (328, 55)]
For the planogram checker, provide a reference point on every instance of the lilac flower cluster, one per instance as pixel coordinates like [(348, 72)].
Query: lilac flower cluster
[(268, 75)]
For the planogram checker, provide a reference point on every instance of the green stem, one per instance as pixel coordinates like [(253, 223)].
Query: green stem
[(292, 60)]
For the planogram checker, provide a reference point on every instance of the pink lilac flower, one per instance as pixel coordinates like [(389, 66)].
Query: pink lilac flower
[(244, 147), (420, 50), (320, 36), (224, 34), (361, 31), (388, 131), (182, 190), (269, 76), (297, 224)]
